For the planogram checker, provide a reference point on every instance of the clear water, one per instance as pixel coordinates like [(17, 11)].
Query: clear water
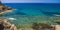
[(33, 8), (27, 13)]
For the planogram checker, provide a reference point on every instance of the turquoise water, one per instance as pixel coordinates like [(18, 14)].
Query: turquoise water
[(27, 13), (33, 8)]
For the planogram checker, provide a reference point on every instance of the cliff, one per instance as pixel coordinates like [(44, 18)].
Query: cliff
[(4, 8)]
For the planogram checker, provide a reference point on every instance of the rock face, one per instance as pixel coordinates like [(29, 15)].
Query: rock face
[(4, 8), (5, 25)]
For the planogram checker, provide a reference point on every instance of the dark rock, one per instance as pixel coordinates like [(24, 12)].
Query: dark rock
[(0, 3), (4, 8), (1, 27)]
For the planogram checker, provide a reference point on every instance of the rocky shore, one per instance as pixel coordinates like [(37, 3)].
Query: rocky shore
[(4, 8), (4, 24)]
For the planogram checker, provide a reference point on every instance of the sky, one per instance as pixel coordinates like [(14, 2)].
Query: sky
[(30, 1)]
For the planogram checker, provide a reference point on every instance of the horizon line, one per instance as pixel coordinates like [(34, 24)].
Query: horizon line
[(54, 3), (26, 2)]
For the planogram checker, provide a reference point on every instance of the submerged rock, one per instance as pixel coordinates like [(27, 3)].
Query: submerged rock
[(42, 26)]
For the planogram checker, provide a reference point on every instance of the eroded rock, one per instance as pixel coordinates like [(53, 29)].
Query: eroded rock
[(4, 8), (5, 25)]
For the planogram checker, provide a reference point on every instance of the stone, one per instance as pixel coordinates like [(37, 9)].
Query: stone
[(5, 25), (4, 8)]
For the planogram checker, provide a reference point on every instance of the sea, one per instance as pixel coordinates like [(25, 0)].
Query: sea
[(25, 14), (34, 8)]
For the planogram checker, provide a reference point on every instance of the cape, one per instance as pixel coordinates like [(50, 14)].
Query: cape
[(4, 8)]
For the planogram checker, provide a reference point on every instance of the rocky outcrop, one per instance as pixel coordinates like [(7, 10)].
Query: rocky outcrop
[(5, 25), (4, 8)]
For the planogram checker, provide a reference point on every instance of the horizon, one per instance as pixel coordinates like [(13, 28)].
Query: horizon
[(48, 3), (30, 1)]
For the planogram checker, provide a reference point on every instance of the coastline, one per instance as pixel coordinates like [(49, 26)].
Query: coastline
[(7, 11)]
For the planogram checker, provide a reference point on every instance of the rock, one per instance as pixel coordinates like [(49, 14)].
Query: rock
[(41, 26), (5, 25), (13, 27), (4, 8), (0, 3)]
